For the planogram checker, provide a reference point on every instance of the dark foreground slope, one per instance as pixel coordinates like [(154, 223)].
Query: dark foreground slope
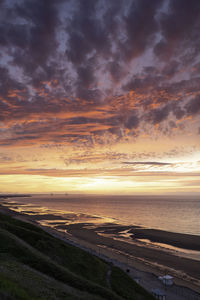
[(35, 265)]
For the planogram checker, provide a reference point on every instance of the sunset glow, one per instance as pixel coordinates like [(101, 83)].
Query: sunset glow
[(100, 97)]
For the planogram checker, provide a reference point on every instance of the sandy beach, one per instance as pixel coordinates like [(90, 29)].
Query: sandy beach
[(162, 261), (143, 262)]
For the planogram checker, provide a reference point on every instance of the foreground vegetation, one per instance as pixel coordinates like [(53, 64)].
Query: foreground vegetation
[(36, 265)]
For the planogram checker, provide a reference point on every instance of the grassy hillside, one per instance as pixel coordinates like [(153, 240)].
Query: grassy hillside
[(35, 265)]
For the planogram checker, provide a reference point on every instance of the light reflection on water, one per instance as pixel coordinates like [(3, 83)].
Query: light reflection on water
[(56, 212), (175, 214), (48, 214)]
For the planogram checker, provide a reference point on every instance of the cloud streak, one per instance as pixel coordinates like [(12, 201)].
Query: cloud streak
[(113, 84), (62, 60), (148, 163)]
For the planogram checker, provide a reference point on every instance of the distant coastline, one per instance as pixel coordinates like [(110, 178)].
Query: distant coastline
[(5, 196)]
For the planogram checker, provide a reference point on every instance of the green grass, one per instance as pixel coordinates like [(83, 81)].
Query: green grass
[(41, 263), (76, 260), (7, 219), (35, 283), (10, 290), (36, 264)]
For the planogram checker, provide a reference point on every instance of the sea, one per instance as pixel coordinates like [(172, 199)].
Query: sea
[(179, 214)]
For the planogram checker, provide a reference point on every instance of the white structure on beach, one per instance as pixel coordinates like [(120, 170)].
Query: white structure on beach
[(166, 280), (159, 294)]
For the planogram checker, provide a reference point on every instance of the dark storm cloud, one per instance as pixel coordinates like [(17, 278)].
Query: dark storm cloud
[(156, 116), (93, 96), (90, 38), (41, 41), (13, 35), (115, 70), (180, 28), (7, 83), (141, 26), (86, 33), (132, 122), (178, 112), (148, 81), (193, 106), (170, 70), (85, 76), (69, 67), (30, 39)]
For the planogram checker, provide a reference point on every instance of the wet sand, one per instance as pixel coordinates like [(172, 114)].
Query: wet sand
[(185, 241), (99, 239), (185, 267)]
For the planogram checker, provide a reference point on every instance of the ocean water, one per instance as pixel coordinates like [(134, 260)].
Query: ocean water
[(176, 214)]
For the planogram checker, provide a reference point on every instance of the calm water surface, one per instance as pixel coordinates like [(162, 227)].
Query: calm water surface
[(176, 214)]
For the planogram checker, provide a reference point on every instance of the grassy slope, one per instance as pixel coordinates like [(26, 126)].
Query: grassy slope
[(35, 265)]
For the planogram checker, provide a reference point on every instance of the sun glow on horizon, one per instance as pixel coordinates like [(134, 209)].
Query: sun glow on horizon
[(99, 107)]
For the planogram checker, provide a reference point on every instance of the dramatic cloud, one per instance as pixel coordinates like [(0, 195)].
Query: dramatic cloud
[(116, 77), (70, 57), (193, 106), (179, 29)]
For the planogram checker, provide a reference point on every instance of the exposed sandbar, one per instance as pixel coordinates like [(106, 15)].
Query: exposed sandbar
[(186, 241)]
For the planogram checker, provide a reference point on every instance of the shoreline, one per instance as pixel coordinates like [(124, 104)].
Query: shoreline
[(158, 260), (141, 261)]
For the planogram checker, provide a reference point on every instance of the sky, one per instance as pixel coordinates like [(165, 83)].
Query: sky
[(100, 96)]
